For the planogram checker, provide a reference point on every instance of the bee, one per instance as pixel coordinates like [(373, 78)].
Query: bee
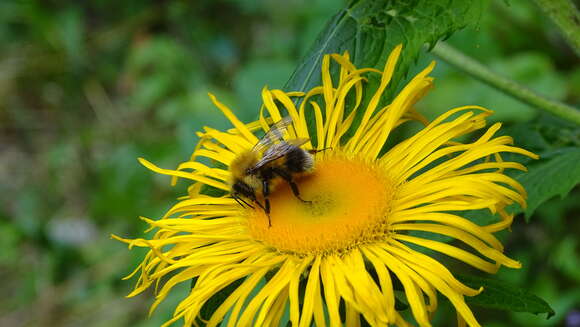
[(271, 159)]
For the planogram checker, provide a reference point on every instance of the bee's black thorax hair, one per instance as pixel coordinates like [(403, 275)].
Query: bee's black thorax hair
[(298, 160)]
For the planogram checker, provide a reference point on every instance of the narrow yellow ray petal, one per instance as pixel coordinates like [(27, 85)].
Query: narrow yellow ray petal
[(312, 291), (234, 120), (293, 290), (234, 143), (273, 287), (195, 177), (220, 203), (456, 299), (269, 104), (355, 294), (204, 201), (245, 289), (386, 78), (403, 102), (216, 279), (264, 121), (275, 113), (277, 310), (216, 173), (239, 295), (331, 297), (385, 282), (367, 289), (320, 135), (413, 215), (344, 70), (327, 87), (400, 322), (425, 261), (451, 251), (412, 293), (460, 320), (252, 127), (424, 286), (319, 310), (222, 157), (374, 129), (301, 130), (342, 287), (334, 120), (472, 154), (306, 100), (183, 276), (403, 149), (425, 145), (352, 317), (503, 224), (500, 166)]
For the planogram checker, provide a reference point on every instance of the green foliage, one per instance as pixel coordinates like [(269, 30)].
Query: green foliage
[(557, 171), (552, 176), (504, 296), (86, 87), (370, 29), (532, 69)]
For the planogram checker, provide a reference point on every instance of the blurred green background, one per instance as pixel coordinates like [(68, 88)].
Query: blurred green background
[(87, 87)]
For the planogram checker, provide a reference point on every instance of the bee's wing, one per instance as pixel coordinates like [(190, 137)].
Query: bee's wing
[(298, 142), (273, 135), (276, 151)]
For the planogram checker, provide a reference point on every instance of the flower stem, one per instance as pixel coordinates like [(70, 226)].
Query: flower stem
[(566, 16), (510, 87)]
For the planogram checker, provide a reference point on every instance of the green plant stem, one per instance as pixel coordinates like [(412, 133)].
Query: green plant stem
[(566, 16), (504, 84)]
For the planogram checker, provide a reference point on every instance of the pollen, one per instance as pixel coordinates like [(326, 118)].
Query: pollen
[(347, 203)]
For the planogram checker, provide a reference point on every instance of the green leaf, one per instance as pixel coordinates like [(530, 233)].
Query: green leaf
[(556, 175), (504, 296), (369, 30), (557, 171), (216, 300)]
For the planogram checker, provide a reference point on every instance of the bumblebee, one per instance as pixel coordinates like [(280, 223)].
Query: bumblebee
[(255, 172)]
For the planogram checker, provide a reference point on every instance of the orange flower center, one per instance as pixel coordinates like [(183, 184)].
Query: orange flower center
[(349, 204)]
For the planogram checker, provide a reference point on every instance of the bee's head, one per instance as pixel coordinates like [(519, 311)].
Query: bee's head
[(238, 188), (242, 163), (241, 188), (251, 170)]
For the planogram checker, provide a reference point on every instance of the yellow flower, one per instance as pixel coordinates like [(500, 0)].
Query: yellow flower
[(337, 260)]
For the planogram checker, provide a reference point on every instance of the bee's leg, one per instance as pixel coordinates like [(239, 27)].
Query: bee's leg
[(266, 208), (316, 151), (265, 193), (288, 178), (238, 201), (241, 201), (259, 204)]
